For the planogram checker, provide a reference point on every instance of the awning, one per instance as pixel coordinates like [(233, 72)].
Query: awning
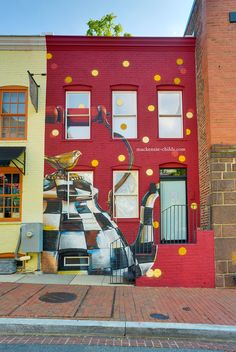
[(12, 154)]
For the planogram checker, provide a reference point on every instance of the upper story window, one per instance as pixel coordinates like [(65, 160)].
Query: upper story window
[(10, 195), (13, 116), (124, 114), (170, 115), (78, 121), (125, 194)]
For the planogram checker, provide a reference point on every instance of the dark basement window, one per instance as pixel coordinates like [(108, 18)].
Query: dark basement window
[(232, 17)]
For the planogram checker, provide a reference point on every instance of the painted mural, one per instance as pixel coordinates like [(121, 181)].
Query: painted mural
[(79, 234)]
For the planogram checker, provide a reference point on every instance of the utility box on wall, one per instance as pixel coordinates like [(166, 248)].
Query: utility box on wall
[(32, 237)]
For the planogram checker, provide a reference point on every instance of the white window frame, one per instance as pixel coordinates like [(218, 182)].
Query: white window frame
[(123, 116), (115, 194), (66, 114), (166, 116)]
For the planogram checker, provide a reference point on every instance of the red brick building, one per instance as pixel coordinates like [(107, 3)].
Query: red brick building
[(213, 23), (121, 174)]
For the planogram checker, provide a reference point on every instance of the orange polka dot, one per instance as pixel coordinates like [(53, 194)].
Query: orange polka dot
[(182, 158), (182, 251)]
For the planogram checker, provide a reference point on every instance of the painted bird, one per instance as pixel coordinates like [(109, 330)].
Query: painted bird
[(65, 161)]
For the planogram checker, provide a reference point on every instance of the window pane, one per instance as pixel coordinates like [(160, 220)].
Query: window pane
[(13, 108), (129, 185), (170, 127), (6, 121), (78, 100), (126, 127), (126, 207), (170, 103), (6, 97), (78, 132), (173, 172), (21, 97), (13, 97), (21, 108), (124, 103), (5, 108)]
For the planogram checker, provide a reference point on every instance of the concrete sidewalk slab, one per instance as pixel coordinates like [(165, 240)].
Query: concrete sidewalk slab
[(46, 279)]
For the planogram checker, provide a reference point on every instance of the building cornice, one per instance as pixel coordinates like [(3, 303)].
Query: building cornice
[(24, 43), (118, 43)]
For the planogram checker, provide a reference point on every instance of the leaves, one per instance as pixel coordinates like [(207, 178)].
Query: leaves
[(105, 27)]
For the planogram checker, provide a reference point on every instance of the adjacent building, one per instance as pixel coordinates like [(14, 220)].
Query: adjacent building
[(22, 120), (213, 23)]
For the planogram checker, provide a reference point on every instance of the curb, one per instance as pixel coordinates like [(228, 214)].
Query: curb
[(115, 328)]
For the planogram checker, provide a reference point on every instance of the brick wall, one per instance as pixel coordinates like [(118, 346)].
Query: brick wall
[(216, 105), (223, 176)]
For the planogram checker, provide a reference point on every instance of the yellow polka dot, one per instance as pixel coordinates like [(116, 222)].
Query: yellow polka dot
[(145, 139), (157, 78), (81, 106), (179, 61), (55, 133), (155, 224), (182, 251), (182, 158), (125, 63), (177, 80), (123, 126), (68, 79), (189, 115), (94, 73), (150, 273), (121, 157), (119, 102), (157, 272), (149, 172), (151, 107), (194, 206), (188, 131), (233, 257), (49, 56), (94, 163)]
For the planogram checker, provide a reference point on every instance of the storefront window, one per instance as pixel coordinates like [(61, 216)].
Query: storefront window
[(10, 196)]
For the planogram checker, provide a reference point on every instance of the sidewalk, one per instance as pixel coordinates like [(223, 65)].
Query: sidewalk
[(70, 304)]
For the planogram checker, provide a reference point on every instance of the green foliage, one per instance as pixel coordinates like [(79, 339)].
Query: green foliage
[(105, 27)]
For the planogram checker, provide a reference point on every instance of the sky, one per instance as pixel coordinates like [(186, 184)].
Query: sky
[(160, 18)]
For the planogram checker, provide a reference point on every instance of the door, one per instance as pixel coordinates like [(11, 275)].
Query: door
[(173, 208)]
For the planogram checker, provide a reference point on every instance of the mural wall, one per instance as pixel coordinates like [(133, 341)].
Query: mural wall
[(79, 234), (121, 116)]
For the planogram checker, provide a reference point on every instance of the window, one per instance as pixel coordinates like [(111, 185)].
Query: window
[(13, 114), (80, 190), (125, 194), (170, 114), (173, 205), (10, 195), (78, 115), (124, 118)]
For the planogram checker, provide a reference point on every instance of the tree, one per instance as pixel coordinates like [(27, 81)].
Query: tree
[(105, 27)]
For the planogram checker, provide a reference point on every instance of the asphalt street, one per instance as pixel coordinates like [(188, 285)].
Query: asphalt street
[(84, 348)]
